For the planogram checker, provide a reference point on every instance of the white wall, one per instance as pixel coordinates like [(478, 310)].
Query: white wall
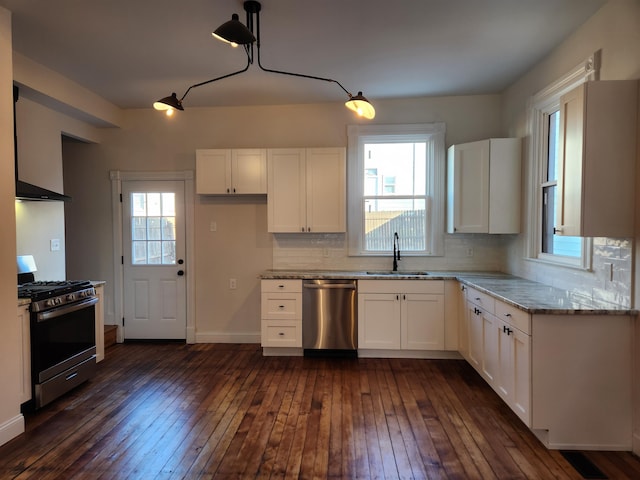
[(241, 247), (615, 29), (11, 420)]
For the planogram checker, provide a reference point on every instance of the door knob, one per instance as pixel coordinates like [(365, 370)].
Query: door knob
[(180, 273), (180, 261)]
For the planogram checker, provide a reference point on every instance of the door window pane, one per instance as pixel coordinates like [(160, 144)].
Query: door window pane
[(153, 228)]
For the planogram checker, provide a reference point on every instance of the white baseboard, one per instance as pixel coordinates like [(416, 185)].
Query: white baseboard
[(11, 429), (224, 337)]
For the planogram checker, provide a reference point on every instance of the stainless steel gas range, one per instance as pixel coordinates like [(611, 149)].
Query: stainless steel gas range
[(63, 346)]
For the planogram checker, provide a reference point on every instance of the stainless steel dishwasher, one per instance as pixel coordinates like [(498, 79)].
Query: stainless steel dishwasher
[(329, 317)]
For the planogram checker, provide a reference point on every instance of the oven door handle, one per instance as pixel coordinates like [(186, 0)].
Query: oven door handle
[(56, 312)]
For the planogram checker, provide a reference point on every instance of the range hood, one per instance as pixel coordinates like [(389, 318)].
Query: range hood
[(24, 190)]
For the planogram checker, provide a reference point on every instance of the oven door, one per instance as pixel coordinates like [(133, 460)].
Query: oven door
[(62, 337)]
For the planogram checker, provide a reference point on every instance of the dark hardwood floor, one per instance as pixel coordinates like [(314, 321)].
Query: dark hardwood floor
[(223, 411)]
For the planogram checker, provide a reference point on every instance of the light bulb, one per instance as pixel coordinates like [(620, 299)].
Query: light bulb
[(169, 112)]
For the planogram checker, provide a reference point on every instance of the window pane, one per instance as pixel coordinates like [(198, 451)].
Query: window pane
[(138, 204), (139, 253), (552, 154), (154, 206), (168, 205), (395, 169), (384, 217), (168, 253)]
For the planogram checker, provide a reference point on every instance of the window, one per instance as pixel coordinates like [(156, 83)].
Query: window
[(153, 228), (544, 124), (397, 182)]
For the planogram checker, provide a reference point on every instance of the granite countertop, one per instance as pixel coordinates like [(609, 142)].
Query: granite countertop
[(527, 295)]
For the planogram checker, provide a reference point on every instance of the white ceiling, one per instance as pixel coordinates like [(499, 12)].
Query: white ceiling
[(133, 52)]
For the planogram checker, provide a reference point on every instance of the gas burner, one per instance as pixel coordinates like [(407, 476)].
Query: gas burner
[(40, 290)]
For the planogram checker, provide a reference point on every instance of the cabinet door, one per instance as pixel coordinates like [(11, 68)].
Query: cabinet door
[(489, 347), (422, 321), (286, 202), (474, 330), (505, 375), (100, 323), (379, 321), (468, 185), (597, 157), (249, 171), (326, 189), (25, 333), (521, 355), (213, 171)]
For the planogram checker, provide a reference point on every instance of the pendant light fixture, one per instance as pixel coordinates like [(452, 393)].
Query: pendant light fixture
[(235, 33)]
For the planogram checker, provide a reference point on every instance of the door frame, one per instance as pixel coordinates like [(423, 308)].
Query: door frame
[(117, 177)]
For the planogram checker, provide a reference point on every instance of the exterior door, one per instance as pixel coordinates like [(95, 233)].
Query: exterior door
[(154, 260)]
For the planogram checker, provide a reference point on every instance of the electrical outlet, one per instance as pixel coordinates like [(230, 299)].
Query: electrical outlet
[(233, 284), (55, 244)]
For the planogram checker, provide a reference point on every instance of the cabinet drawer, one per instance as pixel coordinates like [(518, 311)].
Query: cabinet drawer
[(281, 285), (514, 316), (287, 306), (401, 286), (278, 333), (486, 302)]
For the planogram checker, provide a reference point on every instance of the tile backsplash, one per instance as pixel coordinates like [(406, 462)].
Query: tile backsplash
[(609, 279), (330, 252)]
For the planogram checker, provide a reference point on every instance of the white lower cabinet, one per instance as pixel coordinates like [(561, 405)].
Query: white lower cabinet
[(499, 348), (401, 314), (25, 334), (281, 313)]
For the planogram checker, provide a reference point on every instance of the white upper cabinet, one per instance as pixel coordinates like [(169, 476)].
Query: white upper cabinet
[(483, 186), (306, 190), (597, 153), (227, 171)]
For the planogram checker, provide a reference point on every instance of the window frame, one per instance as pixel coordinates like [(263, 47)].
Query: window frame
[(540, 106), (433, 134)]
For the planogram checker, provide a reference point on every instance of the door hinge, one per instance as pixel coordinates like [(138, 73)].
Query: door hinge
[(123, 321), (122, 259), (120, 198)]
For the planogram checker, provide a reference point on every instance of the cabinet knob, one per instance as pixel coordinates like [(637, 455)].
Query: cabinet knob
[(507, 314)]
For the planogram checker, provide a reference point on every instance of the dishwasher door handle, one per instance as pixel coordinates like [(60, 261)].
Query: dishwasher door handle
[(330, 285)]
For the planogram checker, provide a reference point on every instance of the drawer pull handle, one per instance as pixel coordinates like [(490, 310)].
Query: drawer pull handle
[(280, 286), (281, 334), (478, 298), (280, 307), (507, 314)]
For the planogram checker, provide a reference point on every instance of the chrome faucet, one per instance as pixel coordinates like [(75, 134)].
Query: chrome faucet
[(396, 251)]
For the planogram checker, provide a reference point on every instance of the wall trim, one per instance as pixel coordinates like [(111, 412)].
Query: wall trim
[(11, 428), (119, 176)]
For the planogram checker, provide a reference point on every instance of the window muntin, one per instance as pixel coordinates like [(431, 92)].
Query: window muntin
[(398, 174)]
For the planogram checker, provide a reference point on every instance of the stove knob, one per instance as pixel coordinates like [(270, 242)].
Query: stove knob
[(49, 303), (70, 297)]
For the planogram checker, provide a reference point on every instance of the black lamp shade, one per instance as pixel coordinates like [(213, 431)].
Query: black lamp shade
[(234, 32), (361, 106), (168, 102)]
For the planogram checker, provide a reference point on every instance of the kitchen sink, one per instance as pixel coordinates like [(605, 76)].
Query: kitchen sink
[(401, 273)]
